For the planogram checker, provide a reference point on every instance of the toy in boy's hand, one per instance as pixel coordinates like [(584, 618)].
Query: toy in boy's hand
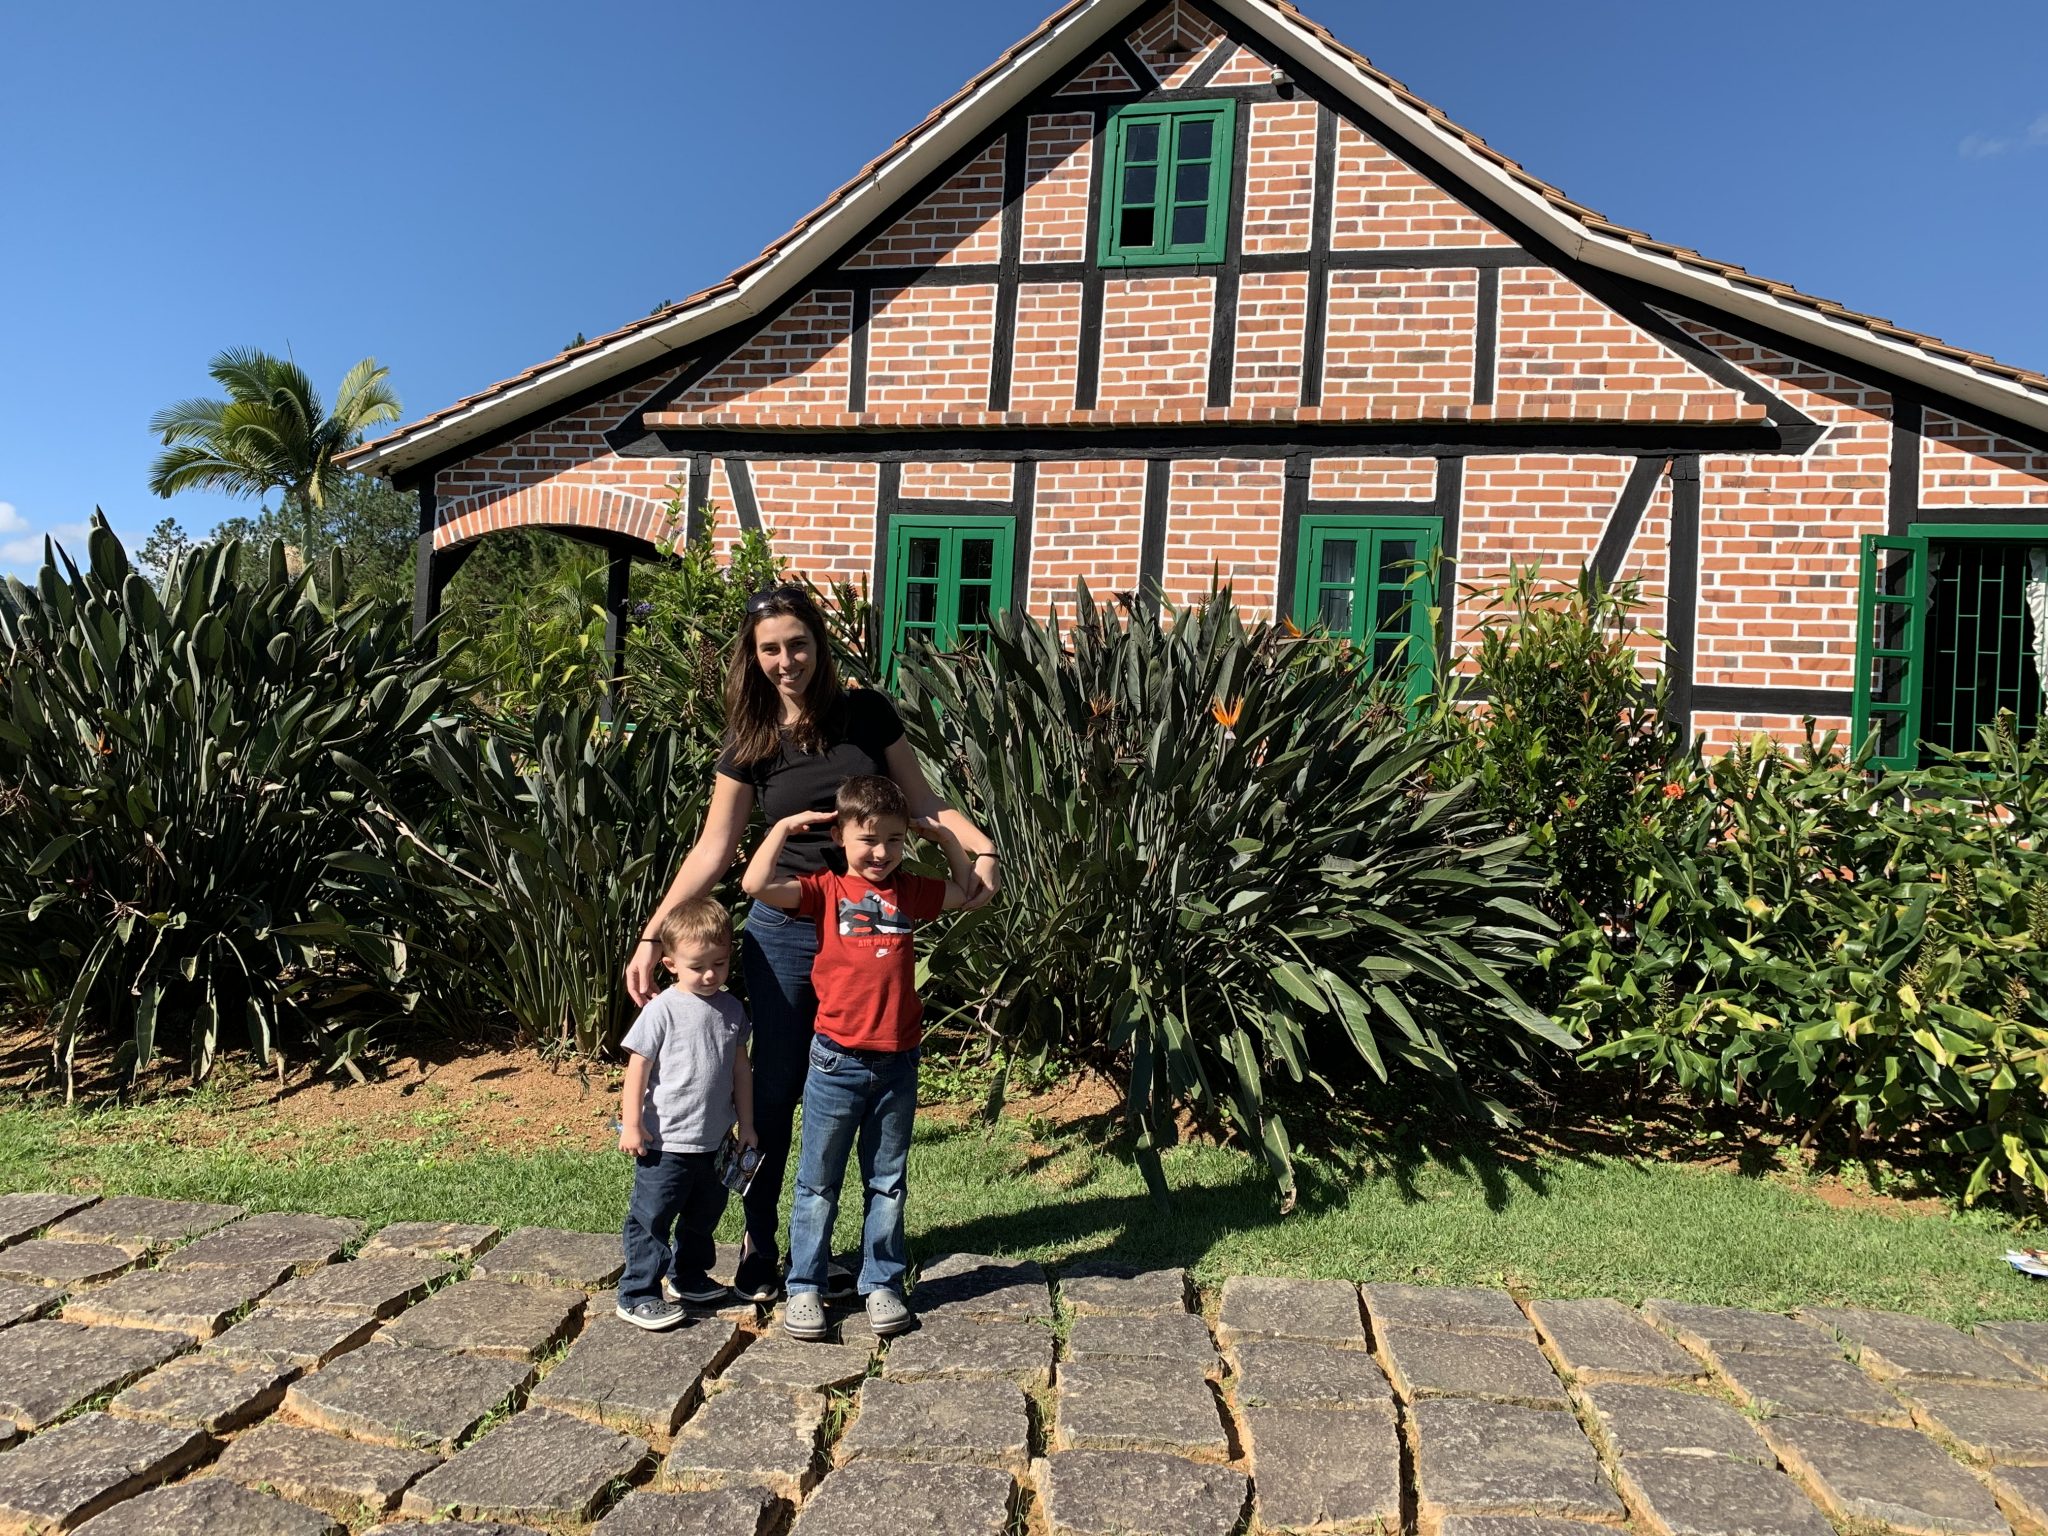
[(736, 1163), (2029, 1261)]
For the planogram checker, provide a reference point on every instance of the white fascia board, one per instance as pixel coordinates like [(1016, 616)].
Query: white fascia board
[(1088, 28)]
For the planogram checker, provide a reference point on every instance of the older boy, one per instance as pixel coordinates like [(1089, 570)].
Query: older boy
[(688, 1083), (863, 1068)]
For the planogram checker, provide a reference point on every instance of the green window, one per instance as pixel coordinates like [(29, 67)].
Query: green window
[(1166, 187), (1944, 641), (947, 576), (1371, 581)]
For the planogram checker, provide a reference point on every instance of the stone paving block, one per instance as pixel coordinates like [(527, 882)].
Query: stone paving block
[(47, 1369), (303, 1340), (45, 1261), (458, 1528), (1601, 1340), (895, 1498), (216, 1394), (140, 1223), (1291, 1373), (1714, 1496), (410, 1397), (2022, 1343), (1655, 1421), (972, 1349), (491, 1317), (327, 1472), (1322, 1469), (362, 1287), (763, 1435), (1139, 1405), (1495, 1459), (1518, 1525), (198, 1302), (1138, 1493), (1449, 1308), (430, 1240), (1782, 1384), (1182, 1337), (537, 1465), (628, 1379), (19, 1303), (1425, 1362), (2002, 1424), (970, 1285), (984, 1422), (275, 1237), (776, 1360), (1319, 1311), (1894, 1346), (72, 1472), (1718, 1332), (210, 1508), (1114, 1290), (1897, 1478), (555, 1256), (25, 1215), (2023, 1495), (717, 1512)]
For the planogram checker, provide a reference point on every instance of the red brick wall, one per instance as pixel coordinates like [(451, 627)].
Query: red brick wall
[(822, 516), (1223, 517), (1086, 524), (946, 481), (1272, 309), (1279, 180), (930, 349), (961, 222), (1372, 480), (1400, 344), (1155, 341), (1061, 148), (1964, 466), (800, 361), (1566, 356), (1043, 360), (1174, 42), (1380, 203)]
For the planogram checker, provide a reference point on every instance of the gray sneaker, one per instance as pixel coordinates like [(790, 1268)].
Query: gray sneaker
[(887, 1314), (654, 1315), (803, 1317)]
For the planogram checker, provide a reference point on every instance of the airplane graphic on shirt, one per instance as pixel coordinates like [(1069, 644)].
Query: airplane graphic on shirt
[(871, 918)]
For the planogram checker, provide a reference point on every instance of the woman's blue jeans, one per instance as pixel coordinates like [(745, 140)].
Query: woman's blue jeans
[(864, 1096), (776, 950)]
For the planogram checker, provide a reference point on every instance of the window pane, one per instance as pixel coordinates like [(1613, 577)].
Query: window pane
[(1141, 142), (921, 603), (1392, 614), (1197, 139), (1333, 612), (923, 559), (1191, 184), (973, 607), (1135, 229), (977, 559), (1141, 184), (1384, 651), (1340, 561), (1190, 225), (1397, 558)]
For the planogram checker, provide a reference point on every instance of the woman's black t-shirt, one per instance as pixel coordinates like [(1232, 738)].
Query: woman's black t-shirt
[(793, 781)]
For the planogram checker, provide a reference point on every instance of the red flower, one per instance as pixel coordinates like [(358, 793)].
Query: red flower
[(1674, 791)]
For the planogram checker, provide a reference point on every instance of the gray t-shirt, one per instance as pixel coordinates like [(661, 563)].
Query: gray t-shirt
[(689, 1042)]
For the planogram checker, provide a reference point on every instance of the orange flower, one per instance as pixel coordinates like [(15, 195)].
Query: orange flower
[(1293, 628), (1226, 715), (1674, 791)]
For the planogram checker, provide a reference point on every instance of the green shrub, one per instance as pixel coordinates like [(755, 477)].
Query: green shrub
[(178, 770), (1843, 951), (1224, 864)]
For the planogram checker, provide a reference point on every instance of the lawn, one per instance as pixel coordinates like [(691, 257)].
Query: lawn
[(1552, 1223)]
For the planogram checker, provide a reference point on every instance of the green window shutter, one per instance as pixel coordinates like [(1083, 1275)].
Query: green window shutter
[(1371, 581), (1167, 183), (1891, 648), (947, 579)]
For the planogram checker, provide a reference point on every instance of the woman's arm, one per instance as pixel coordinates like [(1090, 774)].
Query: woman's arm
[(908, 773), (709, 858)]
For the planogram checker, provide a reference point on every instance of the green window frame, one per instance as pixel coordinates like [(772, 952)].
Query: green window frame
[(1372, 581), (947, 578), (1940, 638), (1167, 184)]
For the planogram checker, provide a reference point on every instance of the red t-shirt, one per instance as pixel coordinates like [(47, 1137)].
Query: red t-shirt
[(866, 973)]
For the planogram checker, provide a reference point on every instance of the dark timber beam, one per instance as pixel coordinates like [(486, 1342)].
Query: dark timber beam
[(618, 582)]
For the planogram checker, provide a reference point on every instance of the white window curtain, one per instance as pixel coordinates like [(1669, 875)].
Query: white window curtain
[(2037, 610)]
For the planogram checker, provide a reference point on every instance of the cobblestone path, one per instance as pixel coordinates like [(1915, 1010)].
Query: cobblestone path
[(168, 1367)]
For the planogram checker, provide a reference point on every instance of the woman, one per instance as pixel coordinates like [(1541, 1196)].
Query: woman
[(793, 735)]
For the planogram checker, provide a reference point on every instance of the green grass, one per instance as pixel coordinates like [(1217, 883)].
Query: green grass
[(1557, 1225)]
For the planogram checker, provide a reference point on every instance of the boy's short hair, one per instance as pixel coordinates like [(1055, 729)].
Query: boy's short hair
[(700, 920), (870, 797)]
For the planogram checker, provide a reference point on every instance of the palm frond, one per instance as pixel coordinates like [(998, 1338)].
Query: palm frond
[(196, 417)]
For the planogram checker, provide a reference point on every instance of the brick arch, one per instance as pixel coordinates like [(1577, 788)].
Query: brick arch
[(553, 505)]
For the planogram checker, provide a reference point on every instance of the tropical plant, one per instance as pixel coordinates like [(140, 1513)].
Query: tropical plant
[(1224, 865), (179, 770), (271, 433), (537, 645)]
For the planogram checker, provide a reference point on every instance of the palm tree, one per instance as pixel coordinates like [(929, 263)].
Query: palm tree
[(271, 433)]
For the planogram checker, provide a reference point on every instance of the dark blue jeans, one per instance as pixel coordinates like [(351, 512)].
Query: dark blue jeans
[(776, 951), (671, 1222), (864, 1096)]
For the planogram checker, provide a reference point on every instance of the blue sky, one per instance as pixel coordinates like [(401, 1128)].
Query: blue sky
[(458, 188)]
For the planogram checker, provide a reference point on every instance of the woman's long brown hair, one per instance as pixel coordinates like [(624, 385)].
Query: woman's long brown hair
[(753, 708)]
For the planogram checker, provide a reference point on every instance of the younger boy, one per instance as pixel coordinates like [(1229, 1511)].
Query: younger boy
[(862, 1080), (688, 1082)]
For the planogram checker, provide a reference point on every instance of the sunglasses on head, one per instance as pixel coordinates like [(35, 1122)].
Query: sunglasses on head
[(767, 596)]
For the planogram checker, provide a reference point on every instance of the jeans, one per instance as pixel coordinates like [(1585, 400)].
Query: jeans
[(872, 1096), (674, 1193), (776, 951)]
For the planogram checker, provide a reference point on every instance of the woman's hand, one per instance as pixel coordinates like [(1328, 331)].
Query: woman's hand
[(643, 971)]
